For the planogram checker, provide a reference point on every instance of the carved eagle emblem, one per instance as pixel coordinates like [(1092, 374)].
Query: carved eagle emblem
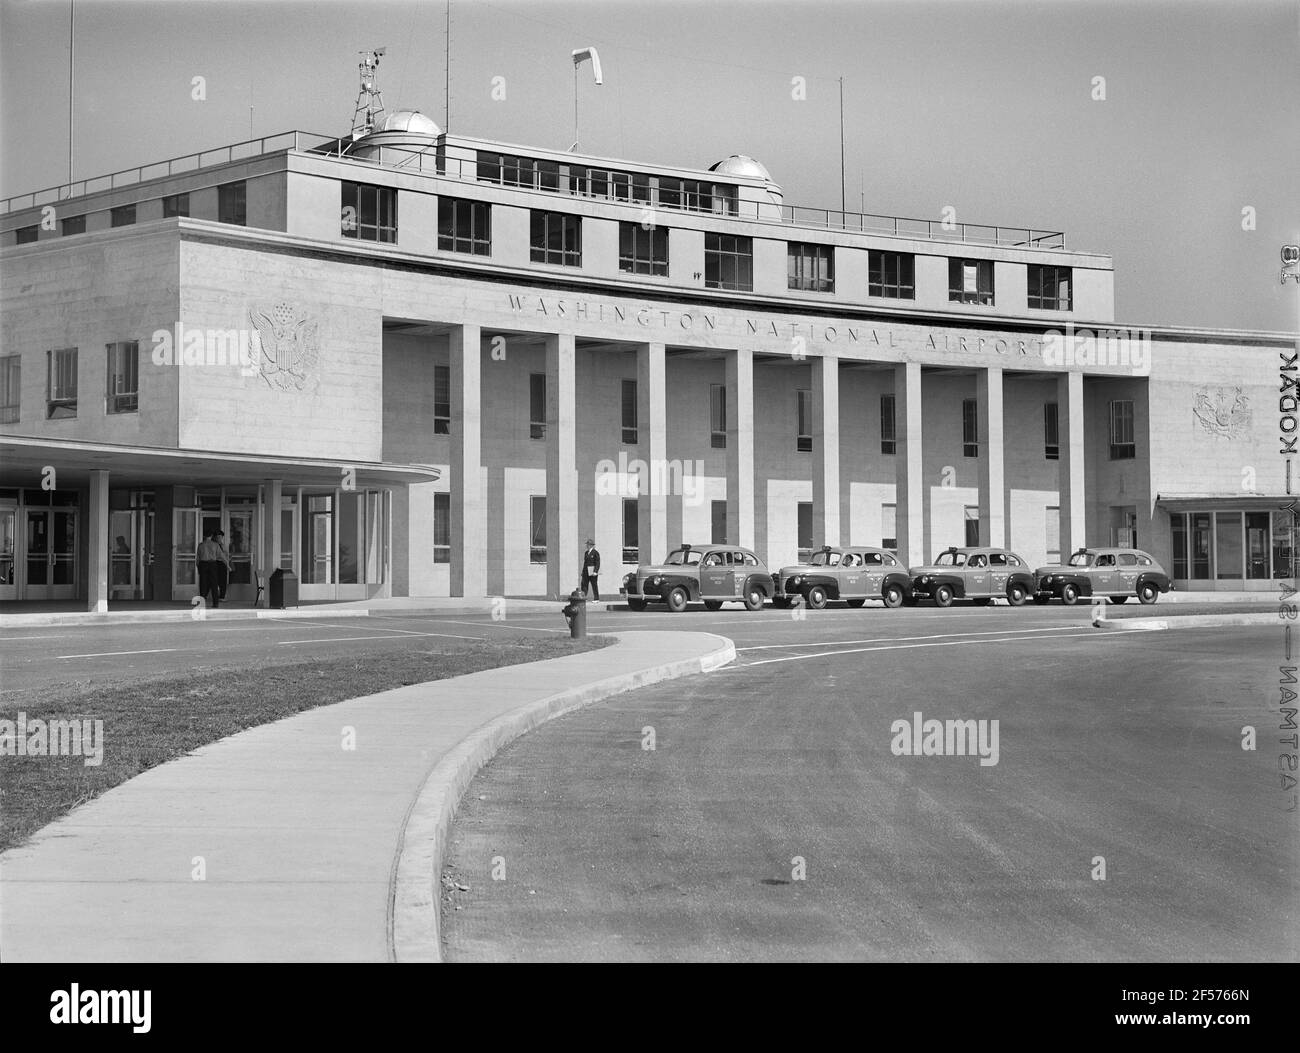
[(290, 341), (1222, 411)]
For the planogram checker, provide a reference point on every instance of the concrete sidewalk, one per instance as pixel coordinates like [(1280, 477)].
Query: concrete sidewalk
[(277, 844)]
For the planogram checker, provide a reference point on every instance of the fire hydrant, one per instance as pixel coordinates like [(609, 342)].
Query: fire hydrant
[(575, 613)]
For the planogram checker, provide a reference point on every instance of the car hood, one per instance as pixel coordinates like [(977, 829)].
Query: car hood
[(665, 568), (802, 568), (1057, 568), (930, 568)]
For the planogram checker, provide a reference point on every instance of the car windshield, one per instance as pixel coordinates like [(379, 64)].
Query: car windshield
[(688, 557), (951, 559), (825, 559), (1081, 559)]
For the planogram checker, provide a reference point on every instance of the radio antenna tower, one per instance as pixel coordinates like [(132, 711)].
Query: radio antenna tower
[(370, 100)]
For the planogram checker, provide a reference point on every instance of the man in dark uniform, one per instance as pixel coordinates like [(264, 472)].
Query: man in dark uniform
[(213, 565), (590, 569)]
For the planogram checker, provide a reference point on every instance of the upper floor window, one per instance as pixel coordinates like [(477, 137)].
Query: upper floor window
[(810, 267), (512, 170), (556, 237), (176, 205), (891, 274), (464, 226), (232, 203), (1122, 443), (630, 432), (693, 195), (803, 412), (888, 436), (441, 400), (369, 212), (642, 251), (970, 281), (1051, 431), (75, 224), (122, 216), (970, 428), (122, 393), (614, 186), (537, 405), (10, 388), (26, 235), (728, 262), (61, 383), (1049, 287), (718, 416)]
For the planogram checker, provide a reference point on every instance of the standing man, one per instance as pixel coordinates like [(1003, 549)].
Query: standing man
[(213, 565), (590, 569)]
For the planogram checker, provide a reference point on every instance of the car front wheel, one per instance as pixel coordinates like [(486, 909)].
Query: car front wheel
[(754, 599), (893, 596), (943, 596), (677, 600), (1148, 593), (1069, 594), (816, 597), (1016, 595)]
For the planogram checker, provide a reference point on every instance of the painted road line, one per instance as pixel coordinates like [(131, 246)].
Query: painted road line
[(906, 647), (115, 654), (497, 625), (888, 639), (20, 639), (354, 639)]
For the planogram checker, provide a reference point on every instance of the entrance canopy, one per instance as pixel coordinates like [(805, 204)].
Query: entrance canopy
[(1237, 502)]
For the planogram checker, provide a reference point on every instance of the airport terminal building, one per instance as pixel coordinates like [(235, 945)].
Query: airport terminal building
[(408, 363)]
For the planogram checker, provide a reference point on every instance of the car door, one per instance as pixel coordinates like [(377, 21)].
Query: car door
[(1127, 572), (851, 575), (977, 575), (873, 573), (717, 577), (1105, 579), (999, 572)]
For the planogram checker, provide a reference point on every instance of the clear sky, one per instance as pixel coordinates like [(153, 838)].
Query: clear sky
[(980, 105)]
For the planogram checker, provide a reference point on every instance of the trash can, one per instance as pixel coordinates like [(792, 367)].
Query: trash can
[(575, 613), (284, 589)]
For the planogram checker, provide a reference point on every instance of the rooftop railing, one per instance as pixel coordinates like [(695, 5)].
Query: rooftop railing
[(702, 195)]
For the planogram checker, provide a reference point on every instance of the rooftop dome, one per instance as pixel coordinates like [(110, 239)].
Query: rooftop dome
[(741, 165), (412, 121)]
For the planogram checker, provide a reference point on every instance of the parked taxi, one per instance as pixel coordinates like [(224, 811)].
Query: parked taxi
[(1117, 573), (852, 574), (978, 574), (711, 573)]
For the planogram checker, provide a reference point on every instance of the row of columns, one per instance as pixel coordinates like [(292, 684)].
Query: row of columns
[(468, 500)]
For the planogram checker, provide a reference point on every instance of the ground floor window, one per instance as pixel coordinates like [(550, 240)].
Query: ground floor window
[(889, 527), (537, 528), (1053, 535), (442, 528), (1232, 545), (972, 525), (805, 531), (631, 531), (718, 512)]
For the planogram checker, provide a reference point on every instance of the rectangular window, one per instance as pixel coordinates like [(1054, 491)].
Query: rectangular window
[(718, 522), (891, 274), (442, 528), (805, 528), (642, 251), (1051, 431), (232, 204), (537, 529), (631, 532), (1283, 544), (718, 416), (176, 205), (728, 262), (1122, 444), (1257, 545), (1228, 547), (556, 237), (464, 226), (26, 235), (74, 225), (670, 192), (369, 212), (537, 406), (511, 170), (123, 376), (1053, 535), (441, 400), (970, 428), (1178, 528), (810, 267), (629, 428), (888, 437), (1202, 535), (972, 525), (61, 383), (1049, 287), (122, 216), (10, 388), (970, 281), (803, 413), (889, 527)]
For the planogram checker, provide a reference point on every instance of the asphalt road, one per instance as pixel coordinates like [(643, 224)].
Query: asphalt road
[(772, 820)]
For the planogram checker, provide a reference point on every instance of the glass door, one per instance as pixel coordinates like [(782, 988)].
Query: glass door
[(185, 551), (239, 528), (8, 538), (51, 560)]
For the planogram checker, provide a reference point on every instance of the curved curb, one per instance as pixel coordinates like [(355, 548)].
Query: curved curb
[(1186, 621), (415, 888)]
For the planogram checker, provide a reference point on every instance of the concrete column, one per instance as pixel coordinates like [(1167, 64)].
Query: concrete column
[(1069, 419), (826, 451), (563, 545), (908, 465), (652, 431), (272, 542), (740, 447), (97, 540), (992, 476), (468, 536)]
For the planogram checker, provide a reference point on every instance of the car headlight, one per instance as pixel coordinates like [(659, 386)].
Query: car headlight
[(797, 580), (656, 580)]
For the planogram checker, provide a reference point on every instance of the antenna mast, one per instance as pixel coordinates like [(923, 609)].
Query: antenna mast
[(370, 100)]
